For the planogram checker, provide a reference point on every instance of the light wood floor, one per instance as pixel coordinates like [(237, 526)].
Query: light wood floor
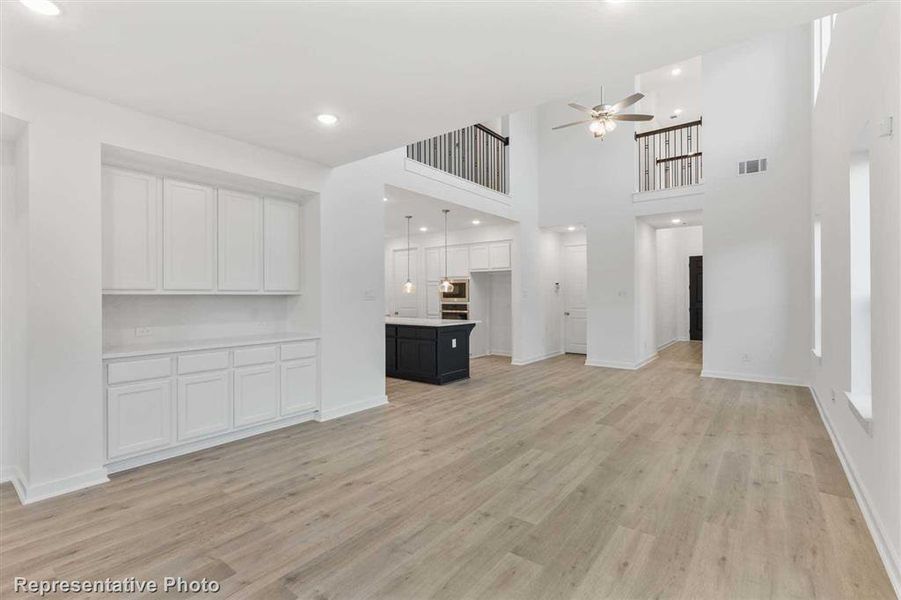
[(553, 480)]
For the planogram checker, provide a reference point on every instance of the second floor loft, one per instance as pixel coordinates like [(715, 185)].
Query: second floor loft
[(669, 157), (475, 153)]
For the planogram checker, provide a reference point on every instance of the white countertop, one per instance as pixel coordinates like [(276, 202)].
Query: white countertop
[(427, 322), (144, 349)]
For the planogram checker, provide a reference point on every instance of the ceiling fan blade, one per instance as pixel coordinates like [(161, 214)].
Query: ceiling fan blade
[(584, 109), (571, 124), (632, 117), (625, 102)]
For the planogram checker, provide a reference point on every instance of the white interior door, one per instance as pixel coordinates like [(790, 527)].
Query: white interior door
[(405, 305), (575, 299)]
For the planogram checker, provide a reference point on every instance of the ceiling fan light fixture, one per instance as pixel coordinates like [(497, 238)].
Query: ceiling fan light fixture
[(597, 127), (610, 125)]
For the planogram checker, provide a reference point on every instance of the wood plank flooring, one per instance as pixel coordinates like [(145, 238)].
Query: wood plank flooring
[(553, 480)]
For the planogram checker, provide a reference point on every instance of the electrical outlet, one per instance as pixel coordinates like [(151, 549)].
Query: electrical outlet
[(833, 394), (746, 358), (143, 331)]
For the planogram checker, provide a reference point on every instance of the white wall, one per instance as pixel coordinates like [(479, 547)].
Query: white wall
[(860, 86), (13, 322), (674, 247), (756, 100), (590, 182), (646, 291), (500, 318), (65, 135)]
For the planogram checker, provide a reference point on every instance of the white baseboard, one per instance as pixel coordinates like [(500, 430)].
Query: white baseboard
[(753, 378), (29, 492), (616, 364), (528, 361), (13, 475), (217, 440), (667, 344), (890, 557), (348, 409)]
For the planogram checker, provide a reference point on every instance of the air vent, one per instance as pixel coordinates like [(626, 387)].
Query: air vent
[(755, 165)]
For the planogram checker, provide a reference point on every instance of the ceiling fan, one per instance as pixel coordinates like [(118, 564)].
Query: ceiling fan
[(604, 116)]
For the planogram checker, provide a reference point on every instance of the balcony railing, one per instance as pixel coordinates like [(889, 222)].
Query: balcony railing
[(475, 153), (670, 157)]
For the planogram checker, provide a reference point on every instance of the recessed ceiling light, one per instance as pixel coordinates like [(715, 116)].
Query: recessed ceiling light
[(677, 111), (476, 222), (676, 221), (385, 199), (423, 229), (676, 71), (44, 7), (324, 118), (571, 228)]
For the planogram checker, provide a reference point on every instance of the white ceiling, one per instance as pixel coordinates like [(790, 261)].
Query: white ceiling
[(426, 212), (665, 220), (394, 72)]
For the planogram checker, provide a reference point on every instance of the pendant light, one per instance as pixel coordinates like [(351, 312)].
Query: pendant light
[(445, 286), (409, 288)]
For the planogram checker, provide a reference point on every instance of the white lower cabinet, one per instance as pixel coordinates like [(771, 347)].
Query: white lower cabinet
[(256, 394), (139, 417), (300, 384), (163, 405), (203, 405)]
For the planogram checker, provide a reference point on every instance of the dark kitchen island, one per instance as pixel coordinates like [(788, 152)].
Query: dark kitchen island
[(428, 350)]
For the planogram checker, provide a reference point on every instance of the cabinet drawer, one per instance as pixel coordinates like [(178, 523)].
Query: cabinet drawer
[(255, 356), (209, 361), (298, 350), (138, 370)]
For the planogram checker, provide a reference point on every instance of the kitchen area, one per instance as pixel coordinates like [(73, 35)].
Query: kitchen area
[(447, 292)]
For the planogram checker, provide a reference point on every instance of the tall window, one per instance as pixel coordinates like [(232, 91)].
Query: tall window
[(822, 36), (859, 172), (817, 287)]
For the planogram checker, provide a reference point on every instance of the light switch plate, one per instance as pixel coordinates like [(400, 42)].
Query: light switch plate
[(453, 342)]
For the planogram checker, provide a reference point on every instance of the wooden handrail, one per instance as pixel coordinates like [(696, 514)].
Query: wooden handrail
[(493, 134), (644, 134), (683, 156)]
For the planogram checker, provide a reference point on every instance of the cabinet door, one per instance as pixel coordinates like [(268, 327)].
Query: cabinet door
[(479, 258), (458, 261), (282, 245), (131, 230), (300, 386), (189, 236), (240, 241), (203, 405), (433, 300), (499, 255), (434, 264), (256, 394), (138, 417)]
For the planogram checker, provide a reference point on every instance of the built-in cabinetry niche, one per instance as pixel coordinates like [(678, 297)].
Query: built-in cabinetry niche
[(168, 236)]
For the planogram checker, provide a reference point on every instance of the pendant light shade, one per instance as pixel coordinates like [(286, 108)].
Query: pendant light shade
[(445, 286), (408, 286)]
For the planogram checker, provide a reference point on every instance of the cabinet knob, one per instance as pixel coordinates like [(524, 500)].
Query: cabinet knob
[(566, 314)]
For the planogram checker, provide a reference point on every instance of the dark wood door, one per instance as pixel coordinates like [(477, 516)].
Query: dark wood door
[(696, 297)]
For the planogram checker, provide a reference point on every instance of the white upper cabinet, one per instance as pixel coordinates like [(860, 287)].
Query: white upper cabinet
[(240, 241), (282, 245), (479, 258), (131, 230), (168, 236), (458, 261), (499, 255), (189, 236)]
